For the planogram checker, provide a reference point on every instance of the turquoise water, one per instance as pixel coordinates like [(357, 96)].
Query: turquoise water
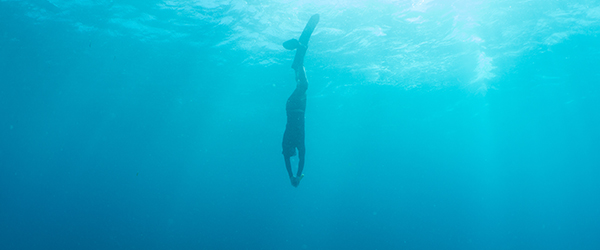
[(429, 125)]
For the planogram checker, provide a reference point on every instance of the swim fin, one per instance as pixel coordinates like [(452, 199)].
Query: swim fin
[(291, 44), (302, 41)]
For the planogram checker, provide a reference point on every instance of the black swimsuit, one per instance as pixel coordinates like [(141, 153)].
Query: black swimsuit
[(294, 130)]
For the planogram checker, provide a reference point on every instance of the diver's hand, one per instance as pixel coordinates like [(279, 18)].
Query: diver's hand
[(295, 181)]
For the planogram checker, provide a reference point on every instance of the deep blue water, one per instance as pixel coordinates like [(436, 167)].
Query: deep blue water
[(429, 125)]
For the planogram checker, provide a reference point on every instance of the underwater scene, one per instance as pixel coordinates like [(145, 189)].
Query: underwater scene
[(305, 124)]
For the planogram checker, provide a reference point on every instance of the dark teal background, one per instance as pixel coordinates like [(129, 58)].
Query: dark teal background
[(429, 125)]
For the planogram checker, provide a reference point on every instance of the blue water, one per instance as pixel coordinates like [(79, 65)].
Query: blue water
[(429, 125)]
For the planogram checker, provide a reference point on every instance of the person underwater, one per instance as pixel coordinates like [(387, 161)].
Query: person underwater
[(293, 137)]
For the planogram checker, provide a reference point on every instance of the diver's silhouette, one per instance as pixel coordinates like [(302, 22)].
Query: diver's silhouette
[(293, 137)]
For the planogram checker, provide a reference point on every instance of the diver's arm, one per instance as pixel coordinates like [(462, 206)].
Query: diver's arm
[(288, 166), (301, 153)]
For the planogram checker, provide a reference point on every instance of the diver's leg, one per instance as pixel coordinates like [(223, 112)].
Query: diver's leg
[(301, 81), (299, 58), (301, 76)]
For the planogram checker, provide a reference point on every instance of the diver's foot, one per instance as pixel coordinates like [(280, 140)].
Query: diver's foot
[(298, 179), (294, 181)]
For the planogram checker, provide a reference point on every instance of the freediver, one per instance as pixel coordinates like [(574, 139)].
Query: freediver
[(293, 137)]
